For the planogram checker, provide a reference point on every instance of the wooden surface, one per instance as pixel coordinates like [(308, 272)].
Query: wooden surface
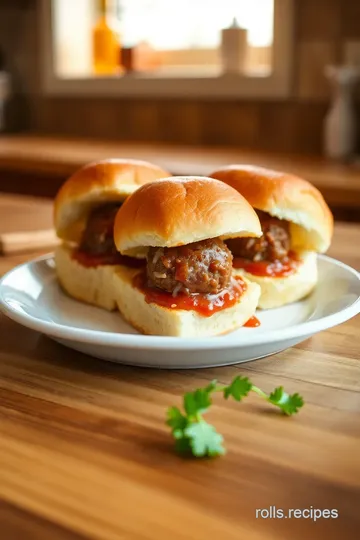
[(51, 159), (22, 214), (84, 452), (19, 213)]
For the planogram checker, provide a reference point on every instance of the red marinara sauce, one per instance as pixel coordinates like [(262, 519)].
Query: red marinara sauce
[(205, 305), (275, 269), (253, 322), (91, 261)]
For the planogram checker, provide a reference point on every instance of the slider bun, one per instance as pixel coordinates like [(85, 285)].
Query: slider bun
[(110, 180), (91, 285), (284, 196), (181, 210), (276, 292), (157, 320)]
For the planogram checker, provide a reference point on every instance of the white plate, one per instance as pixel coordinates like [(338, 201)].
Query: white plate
[(30, 295)]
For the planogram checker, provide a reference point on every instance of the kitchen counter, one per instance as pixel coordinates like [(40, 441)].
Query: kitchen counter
[(85, 453), (51, 160)]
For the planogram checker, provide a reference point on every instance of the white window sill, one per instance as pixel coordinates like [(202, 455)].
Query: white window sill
[(207, 83)]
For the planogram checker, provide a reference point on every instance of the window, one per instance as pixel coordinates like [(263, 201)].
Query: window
[(182, 24), (175, 47)]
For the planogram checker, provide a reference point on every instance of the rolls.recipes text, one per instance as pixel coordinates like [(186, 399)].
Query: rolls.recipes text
[(305, 513)]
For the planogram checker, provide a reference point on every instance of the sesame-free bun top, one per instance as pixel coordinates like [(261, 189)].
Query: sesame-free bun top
[(287, 197), (110, 180), (181, 210)]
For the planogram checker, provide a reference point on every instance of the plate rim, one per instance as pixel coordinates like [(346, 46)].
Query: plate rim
[(145, 342)]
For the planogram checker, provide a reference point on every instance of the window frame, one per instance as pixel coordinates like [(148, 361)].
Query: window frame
[(144, 85)]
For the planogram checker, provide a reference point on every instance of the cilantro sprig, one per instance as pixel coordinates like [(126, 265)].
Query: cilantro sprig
[(194, 436)]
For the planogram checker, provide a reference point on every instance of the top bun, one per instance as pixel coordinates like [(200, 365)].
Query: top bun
[(284, 196), (110, 180), (180, 210)]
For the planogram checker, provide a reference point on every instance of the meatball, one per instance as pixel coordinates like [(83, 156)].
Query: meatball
[(274, 245), (98, 236), (202, 267)]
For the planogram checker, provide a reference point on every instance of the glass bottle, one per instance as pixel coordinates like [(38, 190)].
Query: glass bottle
[(106, 43)]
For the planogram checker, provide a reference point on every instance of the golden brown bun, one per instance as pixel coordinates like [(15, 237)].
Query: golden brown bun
[(276, 292), (284, 196), (180, 210), (91, 285), (161, 321), (110, 180)]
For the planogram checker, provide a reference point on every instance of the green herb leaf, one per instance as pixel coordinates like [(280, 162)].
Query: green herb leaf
[(211, 387), (289, 404), (204, 439), (238, 388), (175, 419), (182, 446), (197, 402)]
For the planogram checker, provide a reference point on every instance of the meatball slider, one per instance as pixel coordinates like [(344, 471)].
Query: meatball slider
[(187, 289), (296, 224), (85, 209)]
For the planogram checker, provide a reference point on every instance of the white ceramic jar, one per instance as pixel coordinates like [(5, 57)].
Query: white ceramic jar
[(340, 130), (233, 48)]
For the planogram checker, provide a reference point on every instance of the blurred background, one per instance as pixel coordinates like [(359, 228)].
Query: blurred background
[(190, 84), (181, 35)]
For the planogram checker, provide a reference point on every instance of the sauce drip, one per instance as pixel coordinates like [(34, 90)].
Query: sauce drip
[(253, 322), (279, 269), (205, 305), (91, 261)]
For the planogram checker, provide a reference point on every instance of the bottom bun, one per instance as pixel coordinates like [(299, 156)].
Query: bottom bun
[(157, 320), (91, 285), (276, 292)]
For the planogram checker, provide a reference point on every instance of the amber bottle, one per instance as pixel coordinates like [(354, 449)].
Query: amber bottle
[(106, 43)]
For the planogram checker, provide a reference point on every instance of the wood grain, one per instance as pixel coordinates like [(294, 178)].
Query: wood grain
[(85, 454), (18, 213), (320, 20), (131, 121), (26, 241), (17, 524), (51, 160)]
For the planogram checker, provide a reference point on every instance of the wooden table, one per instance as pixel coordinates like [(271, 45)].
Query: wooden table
[(84, 452), (38, 165), (18, 214)]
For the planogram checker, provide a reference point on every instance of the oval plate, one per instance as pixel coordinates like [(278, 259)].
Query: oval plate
[(31, 296)]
